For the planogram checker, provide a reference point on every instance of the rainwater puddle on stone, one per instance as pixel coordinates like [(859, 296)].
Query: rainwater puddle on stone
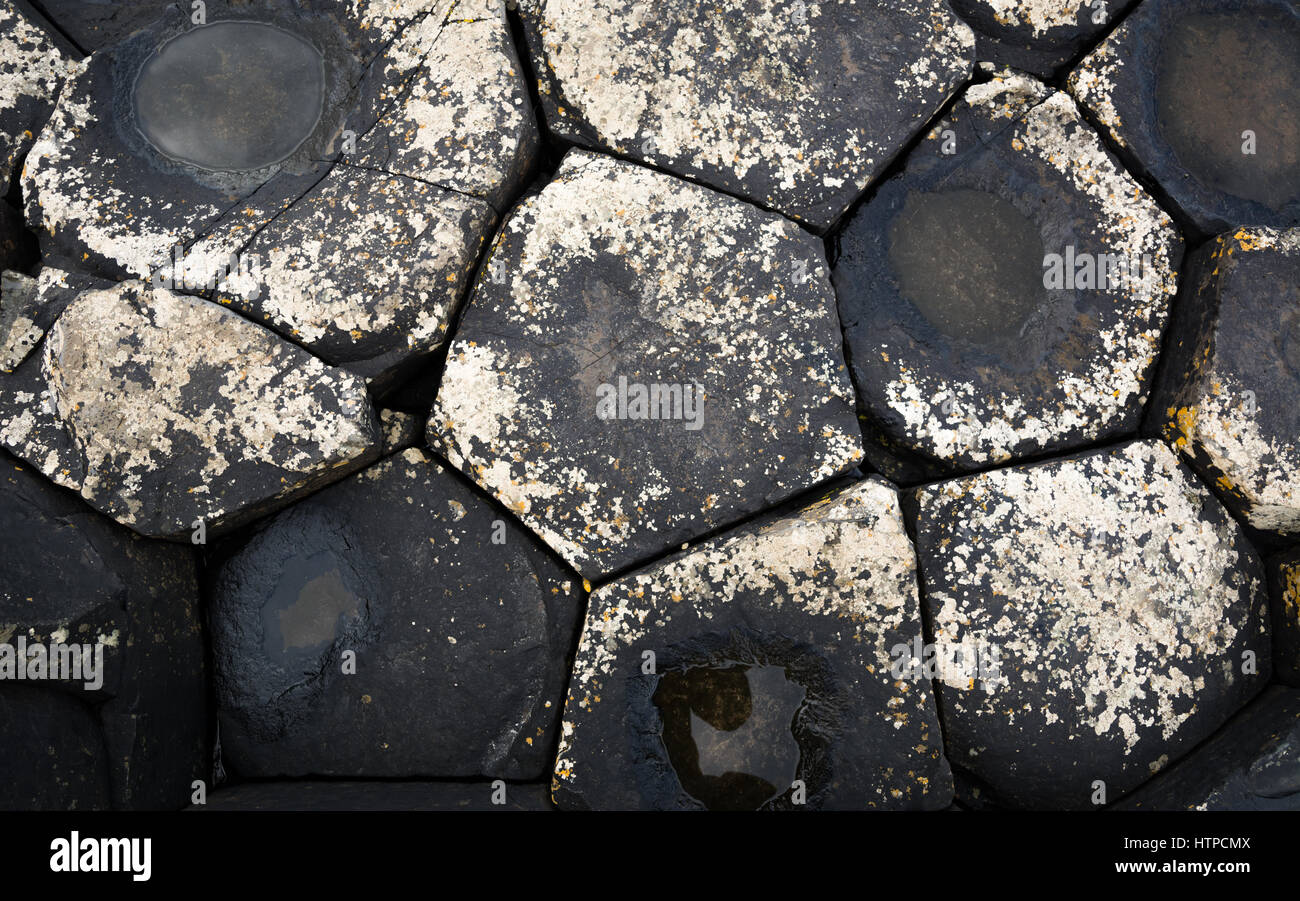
[(308, 608)]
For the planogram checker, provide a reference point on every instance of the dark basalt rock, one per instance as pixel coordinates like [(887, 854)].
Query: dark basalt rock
[(1125, 609), (1179, 84), (1284, 594), (72, 577), (1252, 763), (644, 360), (456, 626), (18, 250), (1227, 398), (795, 106), (94, 24), (384, 796), (1035, 36), (777, 652), (1004, 296), (33, 67), (28, 307), (162, 410)]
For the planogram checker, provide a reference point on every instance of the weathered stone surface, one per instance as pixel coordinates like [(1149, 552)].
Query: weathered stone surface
[(1227, 398), (1121, 601), (387, 796), (32, 70), (1252, 763), (1037, 36), (615, 275), (71, 577), (30, 305), (796, 106), (460, 644), (94, 23), (978, 327), (163, 409), (18, 249), (773, 649), (1179, 85), (1284, 596), (399, 430)]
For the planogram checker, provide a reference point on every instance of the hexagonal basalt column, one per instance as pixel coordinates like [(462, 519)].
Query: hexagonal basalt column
[(1126, 609), (1037, 36), (32, 71), (329, 170), (1205, 96), (794, 105), (1004, 296), (645, 360), (767, 668), (1227, 398), (391, 625)]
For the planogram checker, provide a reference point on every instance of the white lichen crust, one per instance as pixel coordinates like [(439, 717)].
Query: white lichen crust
[(32, 71)]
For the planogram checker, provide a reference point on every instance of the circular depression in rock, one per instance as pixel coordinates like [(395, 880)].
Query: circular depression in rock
[(1220, 76), (969, 261), (230, 96)]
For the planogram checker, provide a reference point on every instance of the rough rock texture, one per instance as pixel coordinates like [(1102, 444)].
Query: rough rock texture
[(163, 409), (386, 796), (816, 603), (1181, 83), (32, 70), (1284, 595), (1227, 398), (459, 624), (399, 430), (30, 305), (964, 351), (615, 280), (1252, 763), (796, 106), (18, 250), (1037, 36), (69, 576), (93, 24), (1122, 601)]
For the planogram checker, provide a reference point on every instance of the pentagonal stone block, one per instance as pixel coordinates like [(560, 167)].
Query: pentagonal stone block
[(115, 715), (1126, 609), (796, 106), (32, 70), (1037, 37), (1004, 296), (1284, 594), (386, 796), (644, 360), (760, 670), (391, 625), (172, 414), (1252, 763), (1204, 95), (1232, 371)]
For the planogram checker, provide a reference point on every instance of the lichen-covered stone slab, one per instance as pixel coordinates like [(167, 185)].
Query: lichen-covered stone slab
[(796, 106), (1284, 595), (1252, 763), (1127, 611), (132, 732), (722, 675), (29, 306), (392, 625), (304, 795), (617, 282), (1227, 398), (162, 410), (32, 70), (1037, 36), (1005, 295), (1204, 97)]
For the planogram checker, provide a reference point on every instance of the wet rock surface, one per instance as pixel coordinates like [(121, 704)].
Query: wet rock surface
[(1125, 609), (1005, 295), (755, 671), (1231, 373), (391, 625), (115, 618), (796, 106), (389, 796), (1252, 763), (656, 360), (1204, 96), (1036, 36)]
